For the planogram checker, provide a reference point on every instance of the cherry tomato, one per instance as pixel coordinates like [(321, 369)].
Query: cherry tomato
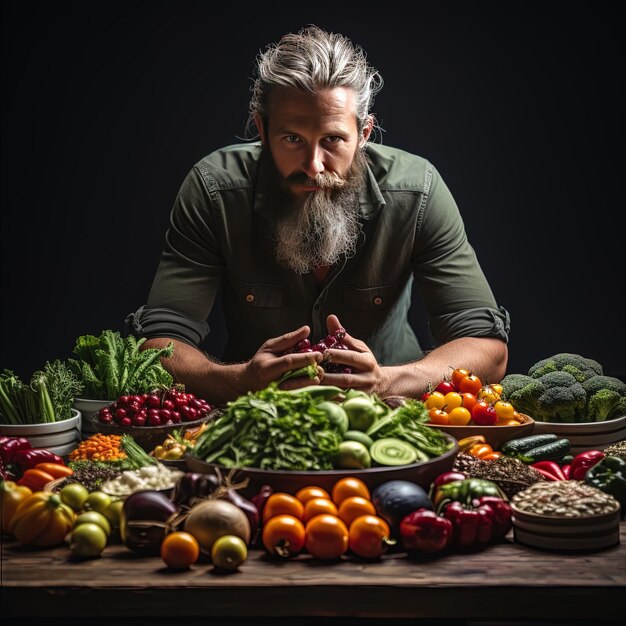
[(504, 409), (453, 399), (280, 503), (497, 387), (180, 549), (283, 536), (438, 416), (369, 536), (354, 507), (488, 393), (507, 422), (470, 383), (307, 493), (445, 386), (326, 537), (469, 400), (435, 400), (349, 486), (317, 506), (484, 414), (457, 375), (459, 416)]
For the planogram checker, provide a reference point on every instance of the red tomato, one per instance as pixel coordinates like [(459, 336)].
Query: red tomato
[(470, 383), (484, 414), (445, 386)]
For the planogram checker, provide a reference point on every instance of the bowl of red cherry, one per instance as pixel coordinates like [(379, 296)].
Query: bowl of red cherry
[(150, 417)]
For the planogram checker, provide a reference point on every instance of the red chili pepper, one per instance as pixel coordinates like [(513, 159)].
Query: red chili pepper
[(27, 459), (10, 445), (584, 461), (546, 474), (550, 466)]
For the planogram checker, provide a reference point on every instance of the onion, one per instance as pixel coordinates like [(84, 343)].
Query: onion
[(209, 520)]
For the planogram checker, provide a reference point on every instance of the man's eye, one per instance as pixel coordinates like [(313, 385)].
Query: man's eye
[(333, 139), (292, 139)]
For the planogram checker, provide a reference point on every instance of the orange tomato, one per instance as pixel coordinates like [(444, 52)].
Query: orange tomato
[(180, 549), (469, 400), (459, 416), (458, 374), (283, 536), (349, 486), (438, 416), (354, 507), (307, 493), (369, 536), (280, 503), (317, 506), (326, 537), (470, 383)]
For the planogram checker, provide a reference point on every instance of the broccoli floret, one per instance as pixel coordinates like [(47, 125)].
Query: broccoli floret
[(596, 383), (512, 383), (605, 404), (561, 402), (557, 379), (580, 367), (525, 398)]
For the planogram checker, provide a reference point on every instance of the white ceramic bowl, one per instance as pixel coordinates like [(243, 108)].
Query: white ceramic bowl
[(88, 407), (48, 435)]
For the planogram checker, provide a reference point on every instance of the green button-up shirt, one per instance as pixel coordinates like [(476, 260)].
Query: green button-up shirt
[(220, 238)]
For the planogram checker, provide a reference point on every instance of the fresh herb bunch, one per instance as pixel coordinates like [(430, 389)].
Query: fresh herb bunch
[(47, 398), (270, 429), (110, 366)]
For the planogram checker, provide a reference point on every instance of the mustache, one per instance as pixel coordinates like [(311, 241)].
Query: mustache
[(324, 180)]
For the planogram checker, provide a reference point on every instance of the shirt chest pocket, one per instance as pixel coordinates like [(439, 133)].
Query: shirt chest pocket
[(256, 295), (371, 298)]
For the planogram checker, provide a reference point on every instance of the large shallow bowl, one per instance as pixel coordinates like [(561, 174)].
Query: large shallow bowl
[(53, 436), (495, 436), (291, 481), (148, 437), (587, 435)]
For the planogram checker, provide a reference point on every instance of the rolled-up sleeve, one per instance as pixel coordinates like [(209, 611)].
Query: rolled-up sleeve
[(452, 284), (190, 270)]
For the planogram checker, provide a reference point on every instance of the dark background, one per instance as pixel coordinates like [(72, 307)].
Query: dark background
[(106, 107)]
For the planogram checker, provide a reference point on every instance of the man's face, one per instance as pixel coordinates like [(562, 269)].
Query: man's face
[(314, 145), (312, 135)]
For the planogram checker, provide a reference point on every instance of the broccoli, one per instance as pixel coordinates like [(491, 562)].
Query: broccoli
[(561, 402), (578, 366), (596, 383), (512, 383), (605, 404), (524, 398)]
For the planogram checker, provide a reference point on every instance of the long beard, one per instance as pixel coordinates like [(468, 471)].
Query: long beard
[(325, 226)]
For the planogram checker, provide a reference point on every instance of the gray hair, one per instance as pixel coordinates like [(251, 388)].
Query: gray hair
[(311, 60)]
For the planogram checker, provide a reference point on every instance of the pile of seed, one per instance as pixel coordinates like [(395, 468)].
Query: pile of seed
[(565, 498), (90, 474), (616, 449), (511, 475)]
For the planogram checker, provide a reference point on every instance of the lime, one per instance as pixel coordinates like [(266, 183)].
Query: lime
[(229, 552), (93, 517), (74, 495), (87, 540), (114, 512), (336, 414), (352, 455), (97, 501), (362, 412)]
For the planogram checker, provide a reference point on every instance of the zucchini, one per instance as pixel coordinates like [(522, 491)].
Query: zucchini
[(392, 451), (520, 445), (552, 451)]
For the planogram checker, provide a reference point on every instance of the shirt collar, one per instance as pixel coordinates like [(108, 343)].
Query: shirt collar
[(371, 199)]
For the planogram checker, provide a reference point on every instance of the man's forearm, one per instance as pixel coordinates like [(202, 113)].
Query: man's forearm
[(485, 357), (216, 382)]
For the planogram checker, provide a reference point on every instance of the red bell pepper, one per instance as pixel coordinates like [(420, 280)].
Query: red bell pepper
[(584, 461), (566, 469), (502, 515), (549, 469), (470, 527), (27, 459), (425, 531), (10, 445)]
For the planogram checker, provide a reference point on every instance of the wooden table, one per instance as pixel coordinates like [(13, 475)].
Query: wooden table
[(503, 582)]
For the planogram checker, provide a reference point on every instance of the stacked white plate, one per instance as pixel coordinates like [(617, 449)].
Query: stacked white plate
[(57, 437), (586, 436), (567, 534)]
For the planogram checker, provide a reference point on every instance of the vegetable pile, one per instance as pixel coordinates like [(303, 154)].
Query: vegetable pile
[(566, 388), (110, 366)]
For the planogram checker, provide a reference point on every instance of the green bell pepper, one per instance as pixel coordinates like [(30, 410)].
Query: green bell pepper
[(609, 475), (465, 491)]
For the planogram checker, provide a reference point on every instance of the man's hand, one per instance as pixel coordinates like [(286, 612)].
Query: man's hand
[(367, 375), (269, 363)]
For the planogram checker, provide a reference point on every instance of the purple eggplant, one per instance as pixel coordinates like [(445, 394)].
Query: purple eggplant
[(192, 485), (248, 507), (261, 497), (145, 520)]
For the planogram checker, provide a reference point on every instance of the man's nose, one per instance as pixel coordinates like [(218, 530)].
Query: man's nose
[(313, 163)]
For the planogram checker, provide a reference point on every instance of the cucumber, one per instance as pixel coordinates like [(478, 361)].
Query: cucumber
[(551, 451), (522, 444), (360, 436), (392, 451)]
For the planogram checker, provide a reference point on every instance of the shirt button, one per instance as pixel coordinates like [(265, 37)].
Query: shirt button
[(378, 300), (249, 298)]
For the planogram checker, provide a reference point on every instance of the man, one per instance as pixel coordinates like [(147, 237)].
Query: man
[(313, 228)]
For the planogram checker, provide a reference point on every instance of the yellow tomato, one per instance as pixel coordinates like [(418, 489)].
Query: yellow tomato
[(489, 394), (459, 416), (504, 409), (435, 400), (453, 399)]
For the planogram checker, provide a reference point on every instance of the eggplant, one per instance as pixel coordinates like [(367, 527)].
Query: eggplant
[(145, 521), (261, 497), (395, 499), (193, 485), (248, 507)]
